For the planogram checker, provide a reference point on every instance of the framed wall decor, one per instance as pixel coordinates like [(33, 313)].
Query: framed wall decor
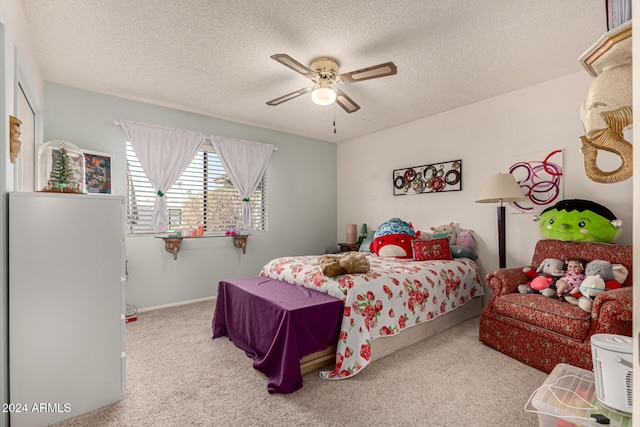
[(97, 168), (430, 178)]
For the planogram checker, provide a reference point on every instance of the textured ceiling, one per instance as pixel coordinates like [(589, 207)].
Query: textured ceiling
[(213, 56)]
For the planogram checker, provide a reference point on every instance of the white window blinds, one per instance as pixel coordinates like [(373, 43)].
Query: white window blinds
[(202, 195)]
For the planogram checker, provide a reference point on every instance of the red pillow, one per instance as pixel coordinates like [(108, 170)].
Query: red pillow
[(427, 250)]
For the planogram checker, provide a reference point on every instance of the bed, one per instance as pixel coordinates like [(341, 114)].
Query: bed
[(417, 298)]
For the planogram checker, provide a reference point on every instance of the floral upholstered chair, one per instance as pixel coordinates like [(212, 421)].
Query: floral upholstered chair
[(542, 331)]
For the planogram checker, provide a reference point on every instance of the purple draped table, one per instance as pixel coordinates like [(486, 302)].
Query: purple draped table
[(276, 324)]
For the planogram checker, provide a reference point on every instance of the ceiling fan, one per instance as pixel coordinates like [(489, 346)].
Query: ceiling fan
[(323, 72)]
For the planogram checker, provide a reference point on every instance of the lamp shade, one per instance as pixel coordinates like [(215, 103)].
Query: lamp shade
[(363, 229), (500, 188), (323, 96)]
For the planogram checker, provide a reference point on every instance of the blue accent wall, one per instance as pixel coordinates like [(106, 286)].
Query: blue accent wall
[(301, 191)]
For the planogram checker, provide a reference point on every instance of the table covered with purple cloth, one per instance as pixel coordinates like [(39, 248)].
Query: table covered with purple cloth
[(276, 324)]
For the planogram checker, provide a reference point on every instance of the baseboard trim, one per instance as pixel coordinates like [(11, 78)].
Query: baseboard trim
[(175, 304)]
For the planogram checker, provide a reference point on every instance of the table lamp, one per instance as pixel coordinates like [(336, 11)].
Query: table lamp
[(363, 233), (498, 189)]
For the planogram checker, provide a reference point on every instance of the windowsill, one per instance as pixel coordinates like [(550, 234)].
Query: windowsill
[(173, 242)]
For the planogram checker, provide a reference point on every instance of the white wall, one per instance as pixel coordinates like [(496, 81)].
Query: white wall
[(301, 195), (16, 61), (486, 136), (20, 65)]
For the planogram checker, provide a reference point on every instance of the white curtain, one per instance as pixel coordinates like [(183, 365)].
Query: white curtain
[(245, 162), (164, 154)]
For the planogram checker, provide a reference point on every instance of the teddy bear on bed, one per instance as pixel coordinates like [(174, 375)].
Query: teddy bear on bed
[(344, 263)]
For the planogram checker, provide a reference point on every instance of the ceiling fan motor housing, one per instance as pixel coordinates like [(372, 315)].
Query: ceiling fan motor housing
[(327, 68)]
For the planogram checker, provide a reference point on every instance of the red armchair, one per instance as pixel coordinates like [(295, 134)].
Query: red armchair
[(542, 331)]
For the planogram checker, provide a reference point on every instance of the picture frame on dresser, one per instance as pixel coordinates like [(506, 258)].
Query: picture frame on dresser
[(97, 172)]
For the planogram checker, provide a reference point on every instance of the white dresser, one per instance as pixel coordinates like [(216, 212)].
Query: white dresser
[(66, 305)]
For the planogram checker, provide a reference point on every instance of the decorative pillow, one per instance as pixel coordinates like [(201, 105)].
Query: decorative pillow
[(426, 250), (459, 251)]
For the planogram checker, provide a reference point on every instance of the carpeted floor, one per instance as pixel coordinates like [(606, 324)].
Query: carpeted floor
[(178, 376)]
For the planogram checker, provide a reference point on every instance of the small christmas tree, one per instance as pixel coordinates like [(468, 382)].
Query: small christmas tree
[(61, 177)]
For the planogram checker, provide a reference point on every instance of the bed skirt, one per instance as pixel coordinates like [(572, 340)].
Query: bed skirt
[(387, 345)]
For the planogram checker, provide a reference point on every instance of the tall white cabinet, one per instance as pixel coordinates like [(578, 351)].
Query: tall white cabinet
[(66, 305)]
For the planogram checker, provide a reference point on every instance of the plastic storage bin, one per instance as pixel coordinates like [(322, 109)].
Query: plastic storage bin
[(568, 398)]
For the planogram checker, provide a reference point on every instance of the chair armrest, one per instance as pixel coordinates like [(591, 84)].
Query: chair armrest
[(612, 312), (504, 281)]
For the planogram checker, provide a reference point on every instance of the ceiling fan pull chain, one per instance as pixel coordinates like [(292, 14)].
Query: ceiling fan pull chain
[(334, 118)]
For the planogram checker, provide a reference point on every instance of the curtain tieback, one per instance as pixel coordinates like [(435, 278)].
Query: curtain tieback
[(160, 193), (246, 199)]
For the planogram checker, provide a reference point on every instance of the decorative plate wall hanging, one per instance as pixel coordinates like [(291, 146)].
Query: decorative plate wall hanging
[(432, 178)]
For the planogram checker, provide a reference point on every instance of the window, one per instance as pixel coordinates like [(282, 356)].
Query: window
[(203, 195)]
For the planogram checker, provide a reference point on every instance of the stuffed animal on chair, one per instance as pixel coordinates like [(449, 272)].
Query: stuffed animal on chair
[(550, 269), (590, 287), (611, 275)]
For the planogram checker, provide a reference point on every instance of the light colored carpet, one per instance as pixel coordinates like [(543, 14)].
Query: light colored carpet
[(178, 376)]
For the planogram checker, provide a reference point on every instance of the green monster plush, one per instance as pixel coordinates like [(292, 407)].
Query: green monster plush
[(579, 221)]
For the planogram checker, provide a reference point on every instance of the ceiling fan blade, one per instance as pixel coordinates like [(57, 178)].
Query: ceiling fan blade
[(380, 70), (345, 102), (288, 61), (289, 96)]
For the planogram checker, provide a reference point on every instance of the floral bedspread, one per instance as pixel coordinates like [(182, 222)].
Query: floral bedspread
[(395, 294)]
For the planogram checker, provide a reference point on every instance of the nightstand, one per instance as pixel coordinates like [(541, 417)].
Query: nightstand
[(346, 247)]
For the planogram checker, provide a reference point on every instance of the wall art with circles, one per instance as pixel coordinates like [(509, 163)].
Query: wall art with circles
[(540, 176), (430, 178)]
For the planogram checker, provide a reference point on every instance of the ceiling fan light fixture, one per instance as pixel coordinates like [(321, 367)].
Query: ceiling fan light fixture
[(323, 96)]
